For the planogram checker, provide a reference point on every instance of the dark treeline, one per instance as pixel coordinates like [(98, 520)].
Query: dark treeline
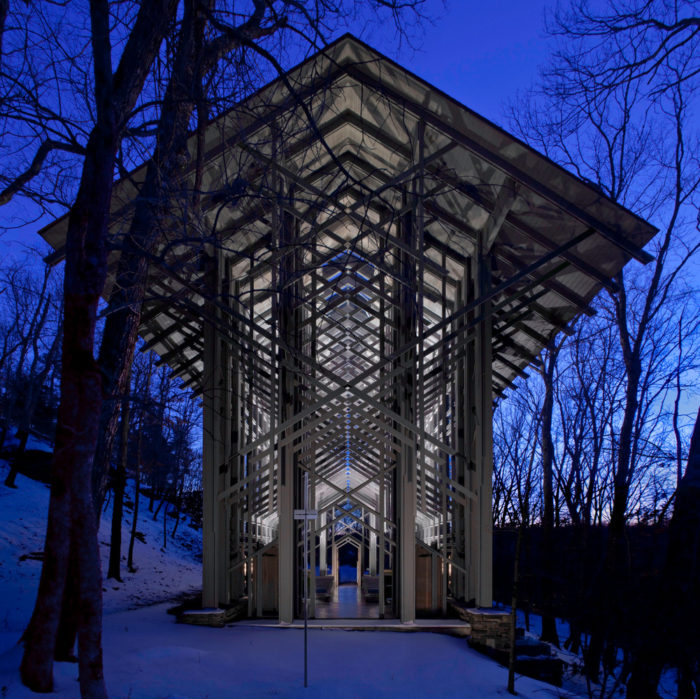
[(154, 466), (574, 570), (594, 449), (157, 456), (158, 452), (161, 459), (30, 340)]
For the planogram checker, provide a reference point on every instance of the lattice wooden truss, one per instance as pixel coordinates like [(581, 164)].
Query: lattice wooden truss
[(374, 264)]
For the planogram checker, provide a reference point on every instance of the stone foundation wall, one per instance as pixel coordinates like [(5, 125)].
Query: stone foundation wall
[(214, 616), (490, 628)]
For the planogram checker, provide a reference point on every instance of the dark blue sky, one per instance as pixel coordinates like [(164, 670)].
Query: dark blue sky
[(480, 53)]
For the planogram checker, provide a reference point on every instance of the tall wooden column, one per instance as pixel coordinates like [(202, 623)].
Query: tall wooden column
[(216, 396), (322, 545), (406, 477), (462, 440), (286, 321), (481, 536), (236, 548), (383, 460)]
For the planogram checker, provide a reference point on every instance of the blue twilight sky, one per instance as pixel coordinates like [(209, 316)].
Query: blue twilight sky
[(480, 53)]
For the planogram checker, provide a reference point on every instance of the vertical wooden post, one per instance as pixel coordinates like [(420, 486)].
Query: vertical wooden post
[(236, 580), (258, 584), (287, 527), (471, 475), (361, 547), (485, 598), (406, 477), (383, 457), (210, 450), (444, 464), (216, 445), (460, 463), (315, 524), (372, 545), (418, 398), (334, 563), (312, 541), (285, 486), (322, 545), (483, 431)]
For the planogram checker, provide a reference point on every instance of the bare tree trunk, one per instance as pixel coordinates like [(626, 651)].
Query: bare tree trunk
[(37, 663), (134, 521), (115, 550), (117, 352), (151, 216), (178, 511), (137, 485), (68, 624), (14, 467), (160, 504), (613, 574), (75, 438), (194, 58), (514, 611), (72, 520), (549, 626)]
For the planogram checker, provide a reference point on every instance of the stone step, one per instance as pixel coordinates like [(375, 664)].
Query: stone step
[(452, 627)]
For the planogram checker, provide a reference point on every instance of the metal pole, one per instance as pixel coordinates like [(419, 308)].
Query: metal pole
[(306, 515), (306, 579)]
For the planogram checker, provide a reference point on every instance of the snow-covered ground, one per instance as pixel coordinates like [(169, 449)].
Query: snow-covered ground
[(147, 655), (33, 443), (162, 574)]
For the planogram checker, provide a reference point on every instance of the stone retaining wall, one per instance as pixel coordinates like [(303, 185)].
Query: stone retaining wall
[(490, 628)]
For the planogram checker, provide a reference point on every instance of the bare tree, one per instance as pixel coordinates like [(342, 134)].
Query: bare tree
[(517, 429), (44, 119), (517, 481), (547, 372), (629, 41), (625, 123), (119, 486), (142, 387), (72, 525), (586, 398), (36, 322), (194, 59)]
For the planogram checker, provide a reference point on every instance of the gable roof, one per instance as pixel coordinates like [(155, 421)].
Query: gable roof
[(382, 143)]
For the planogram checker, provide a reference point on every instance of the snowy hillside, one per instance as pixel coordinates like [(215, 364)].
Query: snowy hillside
[(161, 575)]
